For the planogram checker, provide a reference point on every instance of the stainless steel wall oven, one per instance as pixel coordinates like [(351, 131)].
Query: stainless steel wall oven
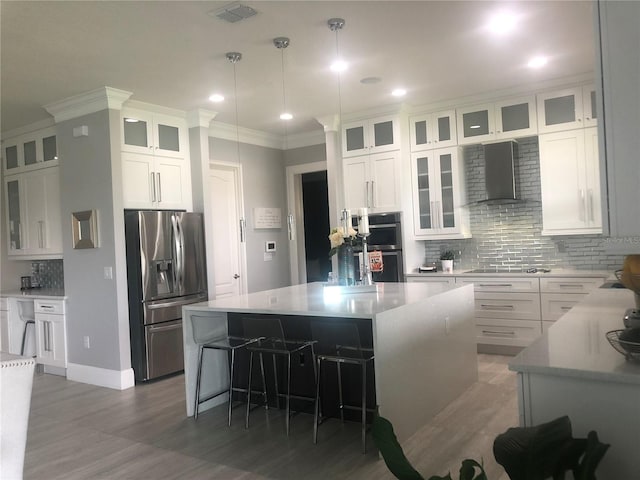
[(386, 236)]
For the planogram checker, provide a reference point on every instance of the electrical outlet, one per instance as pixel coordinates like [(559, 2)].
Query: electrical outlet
[(86, 342), (108, 273)]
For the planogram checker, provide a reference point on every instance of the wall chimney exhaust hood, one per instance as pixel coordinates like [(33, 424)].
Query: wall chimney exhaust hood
[(500, 172)]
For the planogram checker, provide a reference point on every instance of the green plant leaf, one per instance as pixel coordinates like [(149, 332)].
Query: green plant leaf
[(391, 451), (468, 470)]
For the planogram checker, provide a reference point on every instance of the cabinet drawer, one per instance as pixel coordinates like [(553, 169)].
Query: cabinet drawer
[(484, 284), (554, 305), (507, 332), (521, 306), (570, 285), (49, 306)]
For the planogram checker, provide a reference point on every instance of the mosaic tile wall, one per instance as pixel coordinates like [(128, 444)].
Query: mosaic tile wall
[(509, 235), (47, 273)]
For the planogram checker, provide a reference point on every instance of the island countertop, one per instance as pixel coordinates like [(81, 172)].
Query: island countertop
[(576, 345), (312, 300)]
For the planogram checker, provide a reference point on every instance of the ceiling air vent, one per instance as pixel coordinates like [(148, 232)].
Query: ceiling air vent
[(234, 12)]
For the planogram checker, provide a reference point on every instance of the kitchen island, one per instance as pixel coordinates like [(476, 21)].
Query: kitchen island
[(573, 370), (423, 341)]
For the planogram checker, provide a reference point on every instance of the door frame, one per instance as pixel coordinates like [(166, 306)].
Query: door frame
[(242, 246), (297, 264)]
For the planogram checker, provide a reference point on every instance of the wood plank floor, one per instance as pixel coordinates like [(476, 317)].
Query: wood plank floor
[(78, 431)]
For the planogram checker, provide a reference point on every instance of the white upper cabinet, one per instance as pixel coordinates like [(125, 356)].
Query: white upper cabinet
[(155, 182), (504, 119), (33, 214), (567, 109), (515, 117), (373, 181), (381, 134), (30, 151), (153, 134), (438, 194), (433, 130), (570, 182), (155, 165), (620, 44)]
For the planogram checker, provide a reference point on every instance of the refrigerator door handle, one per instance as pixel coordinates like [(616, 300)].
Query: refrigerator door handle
[(177, 249)]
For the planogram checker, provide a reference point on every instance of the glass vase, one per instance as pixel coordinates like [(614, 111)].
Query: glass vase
[(346, 265)]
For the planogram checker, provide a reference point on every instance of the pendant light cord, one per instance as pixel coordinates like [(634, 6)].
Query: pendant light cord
[(235, 90), (339, 78), (284, 100)]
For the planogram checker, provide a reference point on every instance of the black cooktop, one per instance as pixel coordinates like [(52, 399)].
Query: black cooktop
[(510, 270)]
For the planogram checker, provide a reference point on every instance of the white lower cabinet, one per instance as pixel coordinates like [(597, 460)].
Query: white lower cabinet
[(439, 280), (570, 182), (512, 333), (560, 294), (51, 345), (4, 325)]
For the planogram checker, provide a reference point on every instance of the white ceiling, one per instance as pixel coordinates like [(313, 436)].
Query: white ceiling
[(172, 53)]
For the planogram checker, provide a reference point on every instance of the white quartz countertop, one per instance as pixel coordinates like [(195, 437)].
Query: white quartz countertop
[(45, 293), (312, 300), (576, 345), (555, 272)]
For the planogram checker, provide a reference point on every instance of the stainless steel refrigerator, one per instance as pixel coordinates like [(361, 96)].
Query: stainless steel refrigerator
[(166, 269)]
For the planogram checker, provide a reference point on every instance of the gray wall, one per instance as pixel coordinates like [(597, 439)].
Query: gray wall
[(264, 185), (510, 235), (309, 154), (95, 305)]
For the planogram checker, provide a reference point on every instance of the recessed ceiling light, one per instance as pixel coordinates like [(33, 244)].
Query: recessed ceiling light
[(370, 80), (537, 62), (286, 116), (503, 23), (399, 92), (339, 66), (216, 98)]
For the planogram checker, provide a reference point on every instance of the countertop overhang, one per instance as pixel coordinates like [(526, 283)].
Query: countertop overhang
[(557, 272), (576, 345), (43, 293), (311, 300)]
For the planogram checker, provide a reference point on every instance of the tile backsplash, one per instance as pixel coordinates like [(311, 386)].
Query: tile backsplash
[(47, 273), (509, 235)]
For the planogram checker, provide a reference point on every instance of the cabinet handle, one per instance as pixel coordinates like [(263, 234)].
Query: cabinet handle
[(366, 193), (590, 204), (495, 285), (373, 194), (153, 187), (159, 187), (495, 333), (46, 307), (486, 306), (565, 308), (582, 205), (47, 336), (570, 285)]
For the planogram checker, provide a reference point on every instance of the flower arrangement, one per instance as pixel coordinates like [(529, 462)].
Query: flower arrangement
[(337, 237)]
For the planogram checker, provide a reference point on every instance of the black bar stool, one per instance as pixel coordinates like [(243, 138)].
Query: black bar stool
[(272, 341), (210, 333), (339, 342)]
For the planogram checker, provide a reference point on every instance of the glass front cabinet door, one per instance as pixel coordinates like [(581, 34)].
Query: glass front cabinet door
[(516, 118), (560, 110), (433, 130), (375, 135), (438, 195), (475, 124), (14, 215)]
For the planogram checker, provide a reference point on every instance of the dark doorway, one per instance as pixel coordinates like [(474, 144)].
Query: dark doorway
[(315, 199)]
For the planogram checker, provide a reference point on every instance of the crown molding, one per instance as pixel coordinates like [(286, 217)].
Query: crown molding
[(200, 118), (226, 131), (330, 123), (152, 108), (90, 102), (32, 127)]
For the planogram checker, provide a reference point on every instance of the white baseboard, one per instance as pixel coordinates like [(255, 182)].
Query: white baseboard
[(102, 377)]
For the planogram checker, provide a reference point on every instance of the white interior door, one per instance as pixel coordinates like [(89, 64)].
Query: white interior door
[(225, 203)]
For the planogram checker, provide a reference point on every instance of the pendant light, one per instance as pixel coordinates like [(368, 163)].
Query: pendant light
[(281, 43), (234, 58)]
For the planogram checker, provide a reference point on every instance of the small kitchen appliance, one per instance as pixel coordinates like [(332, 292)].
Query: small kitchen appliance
[(25, 283)]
